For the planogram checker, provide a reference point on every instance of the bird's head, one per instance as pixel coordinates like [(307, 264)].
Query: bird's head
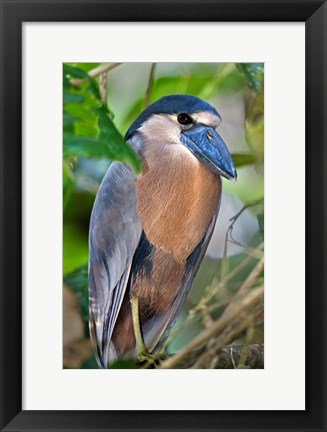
[(190, 122)]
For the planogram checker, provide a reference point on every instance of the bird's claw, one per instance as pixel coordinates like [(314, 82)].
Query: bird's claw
[(150, 361)]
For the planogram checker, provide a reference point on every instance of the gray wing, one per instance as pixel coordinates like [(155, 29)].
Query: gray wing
[(114, 234), (157, 329)]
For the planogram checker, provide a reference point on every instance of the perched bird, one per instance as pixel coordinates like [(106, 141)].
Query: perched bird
[(149, 232)]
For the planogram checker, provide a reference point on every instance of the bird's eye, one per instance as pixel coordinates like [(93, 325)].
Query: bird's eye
[(184, 119)]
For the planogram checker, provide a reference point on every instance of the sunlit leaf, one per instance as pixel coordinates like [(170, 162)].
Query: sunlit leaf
[(233, 82), (68, 185), (243, 159), (81, 112), (88, 128), (75, 249), (119, 149)]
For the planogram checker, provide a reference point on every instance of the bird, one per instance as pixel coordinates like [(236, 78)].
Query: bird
[(149, 231)]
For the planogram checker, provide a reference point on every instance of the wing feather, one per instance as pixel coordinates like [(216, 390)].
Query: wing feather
[(114, 234)]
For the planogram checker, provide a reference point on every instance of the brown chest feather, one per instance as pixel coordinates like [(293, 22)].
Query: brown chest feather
[(177, 197)]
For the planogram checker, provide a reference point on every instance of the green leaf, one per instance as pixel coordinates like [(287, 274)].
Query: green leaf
[(68, 119), (243, 159), (74, 72), (123, 364), (90, 364), (78, 283), (254, 136), (85, 66), (117, 146), (88, 129), (89, 147), (233, 82), (261, 222), (81, 112), (253, 74), (68, 185), (259, 212), (72, 98), (254, 132), (66, 83), (75, 247)]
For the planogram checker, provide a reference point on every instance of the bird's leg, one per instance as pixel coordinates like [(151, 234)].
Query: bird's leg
[(141, 349), (143, 355)]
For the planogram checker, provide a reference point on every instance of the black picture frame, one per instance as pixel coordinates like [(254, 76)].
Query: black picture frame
[(13, 14)]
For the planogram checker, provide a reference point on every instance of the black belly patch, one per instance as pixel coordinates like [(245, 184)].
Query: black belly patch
[(142, 260)]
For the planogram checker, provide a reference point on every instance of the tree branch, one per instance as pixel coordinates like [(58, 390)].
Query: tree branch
[(231, 357), (103, 68), (228, 335), (239, 308), (103, 87), (248, 283), (150, 85)]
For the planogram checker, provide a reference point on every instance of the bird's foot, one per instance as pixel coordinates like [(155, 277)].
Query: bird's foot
[(148, 360)]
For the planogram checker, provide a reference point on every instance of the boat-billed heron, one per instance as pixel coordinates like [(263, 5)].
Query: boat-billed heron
[(149, 232)]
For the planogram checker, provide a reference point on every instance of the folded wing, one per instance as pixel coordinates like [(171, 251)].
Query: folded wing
[(114, 234)]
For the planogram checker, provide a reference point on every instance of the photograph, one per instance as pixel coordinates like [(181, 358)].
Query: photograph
[(163, 215)]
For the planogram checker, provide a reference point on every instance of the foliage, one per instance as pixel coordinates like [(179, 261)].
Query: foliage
[(93, 137), (88, 129), (78, 283)]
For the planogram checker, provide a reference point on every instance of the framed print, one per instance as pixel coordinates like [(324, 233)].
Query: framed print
[(239, 88)]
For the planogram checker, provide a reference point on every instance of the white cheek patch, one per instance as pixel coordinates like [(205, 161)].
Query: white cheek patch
[(162, 129), (207, 118)]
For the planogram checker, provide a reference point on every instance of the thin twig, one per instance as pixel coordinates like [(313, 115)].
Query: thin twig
[(93, 73), (214, 288), (103, 87), (230, 314), (232, 331), (232, 355), (150, 85), (255, 359), (245, 207), (104, 67), (222, 358), (229, 233), (248, 283)]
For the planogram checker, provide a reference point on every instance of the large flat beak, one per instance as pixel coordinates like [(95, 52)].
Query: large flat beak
[(208, 146)]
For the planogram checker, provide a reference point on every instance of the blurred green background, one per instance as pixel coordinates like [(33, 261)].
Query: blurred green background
[(97, 111)]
